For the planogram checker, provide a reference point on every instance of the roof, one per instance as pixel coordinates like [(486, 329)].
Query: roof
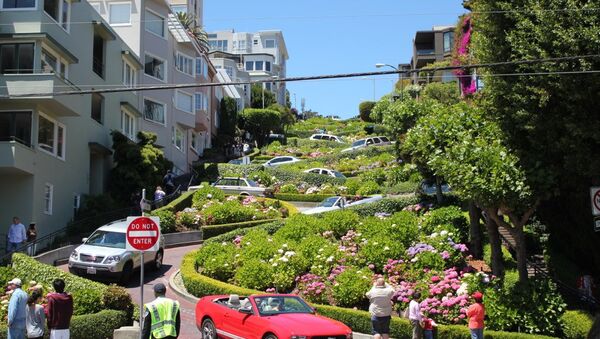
[(224, 78), (177, 30), (115, 226)]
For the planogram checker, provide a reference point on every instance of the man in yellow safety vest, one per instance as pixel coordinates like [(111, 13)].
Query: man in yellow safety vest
[(161, 316)]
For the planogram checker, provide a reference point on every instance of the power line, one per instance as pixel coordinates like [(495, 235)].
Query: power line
[(322, 77)]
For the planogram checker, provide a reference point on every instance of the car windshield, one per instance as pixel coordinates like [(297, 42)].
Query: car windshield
[(252, 183), (281, 305), (236, 161), (329, 202), (358, 143), (338, 174), (107, 239)]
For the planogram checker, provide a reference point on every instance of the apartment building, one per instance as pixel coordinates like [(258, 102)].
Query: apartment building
[(56, 148), (180, 118), (251, 56), (433, 46)]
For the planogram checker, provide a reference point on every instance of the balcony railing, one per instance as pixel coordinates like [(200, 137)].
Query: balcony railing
[(426, 52), (15, 139)]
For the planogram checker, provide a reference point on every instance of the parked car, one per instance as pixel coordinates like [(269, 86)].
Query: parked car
[(430, 188), (241, 186), (326, 137), (367, 142), (265, 316), (336, 203), (281, 160), (103, 254), (325, 171)]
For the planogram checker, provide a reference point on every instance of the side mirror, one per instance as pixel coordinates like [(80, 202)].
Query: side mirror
[(83, 240), (245, 310)]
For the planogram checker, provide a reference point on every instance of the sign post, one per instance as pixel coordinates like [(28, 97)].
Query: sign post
[(143, 234)]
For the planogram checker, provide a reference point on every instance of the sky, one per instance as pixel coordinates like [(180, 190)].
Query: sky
[(336, 36)]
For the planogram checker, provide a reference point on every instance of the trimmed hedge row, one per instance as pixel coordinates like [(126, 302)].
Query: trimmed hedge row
[(359, 321), (183, 201), (577, 324), (289, 176), (270, 227), (216, 230)]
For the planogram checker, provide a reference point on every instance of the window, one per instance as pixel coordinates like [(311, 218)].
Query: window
[(200, 66), (268, 86), (154, 111), (16, 58), (97, 103), (255, 42), (51, 136), (229, 71), (76, 201), (59, 10), (267, 66), (184, 102), (154, 67), (18, 4), (448, 41), (258, 65), (199, 101), (119, 13), (184, 64), (178, 138), (242, 44), (15, 126), (128, 74), (98, 55), (218, 45), (128, 125), (155, 24), (249, 65), (51, 63), (48, 197), (179, 9), (269, 43), (193, 142)]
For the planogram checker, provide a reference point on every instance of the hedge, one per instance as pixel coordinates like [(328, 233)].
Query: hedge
[(270, 227), (183, 201), (255, 153), (288, 176), (577, 324), (215, 230), (302, 197), (386, 205), (359, 321)]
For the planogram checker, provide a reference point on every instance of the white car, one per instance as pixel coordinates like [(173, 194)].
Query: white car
[(336, 203), (325, 171), (103, 254), (241, 186), (281, 160), (326, 137), (367, 142)]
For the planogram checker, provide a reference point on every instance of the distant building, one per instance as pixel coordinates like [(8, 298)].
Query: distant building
[(251, 56), (433, 46)]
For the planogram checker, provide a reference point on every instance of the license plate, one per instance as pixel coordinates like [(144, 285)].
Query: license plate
[(91, 270)]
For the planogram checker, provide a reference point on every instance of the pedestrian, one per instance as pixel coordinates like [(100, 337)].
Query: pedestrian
[(17, 310), (168, 182), (161, 316), (159, 194), (16, 235), (31, 237), (415, 317), (380, 299), (35, 316), (476, 313), (246, 148), (428, 325), (59, 310)]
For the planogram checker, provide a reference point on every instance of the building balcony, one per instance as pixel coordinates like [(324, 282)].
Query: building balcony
[(202, 122), (184, 118), (39, 89), (16, 156)]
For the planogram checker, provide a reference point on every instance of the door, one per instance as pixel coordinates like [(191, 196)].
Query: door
[(242, 324)]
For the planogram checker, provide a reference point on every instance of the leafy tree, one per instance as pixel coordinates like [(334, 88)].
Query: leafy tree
[(257, 94), (137, 165), (287, 117), (446, 93), (189, 22), (551, 121), (229, 117), (259, 122), (288, 101), (364, 109)]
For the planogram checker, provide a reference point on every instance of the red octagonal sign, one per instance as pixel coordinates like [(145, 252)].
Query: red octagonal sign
[(143, 233)]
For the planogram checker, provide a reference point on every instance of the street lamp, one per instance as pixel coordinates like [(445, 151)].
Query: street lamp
[(379, 65)]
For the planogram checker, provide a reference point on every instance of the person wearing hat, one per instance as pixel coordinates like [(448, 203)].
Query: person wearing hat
[(161, 316), (476, 313), (31, 237), (17, 310)]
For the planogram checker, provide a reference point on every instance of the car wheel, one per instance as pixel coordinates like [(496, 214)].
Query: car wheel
[(270, 336), (127, 273), (158, 261), (208, 329)]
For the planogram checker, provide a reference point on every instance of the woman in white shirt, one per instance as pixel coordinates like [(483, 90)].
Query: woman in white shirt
[(35, 317)]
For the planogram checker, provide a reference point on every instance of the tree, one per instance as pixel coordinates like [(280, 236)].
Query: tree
[(229, 117), (137, 165), (287, 117), (365, 109), (446, 93), (189, 22), (288, 101), (551, 120), (258, 94), (260, 122)]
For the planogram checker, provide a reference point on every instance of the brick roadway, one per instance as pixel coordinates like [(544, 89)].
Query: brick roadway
[(171, 264)]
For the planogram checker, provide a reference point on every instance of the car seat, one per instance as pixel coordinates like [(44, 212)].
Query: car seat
[(234, 301)]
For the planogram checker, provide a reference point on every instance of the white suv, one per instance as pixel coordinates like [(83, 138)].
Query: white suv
[(367, 142), (326, 137), (103, 254)]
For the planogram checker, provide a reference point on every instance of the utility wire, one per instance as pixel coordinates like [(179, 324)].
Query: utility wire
[(316, 77)]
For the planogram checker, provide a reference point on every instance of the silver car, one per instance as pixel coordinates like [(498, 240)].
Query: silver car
[(367, 142), (103, 255)]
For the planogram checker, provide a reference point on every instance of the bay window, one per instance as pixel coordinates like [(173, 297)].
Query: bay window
[(51, 136)]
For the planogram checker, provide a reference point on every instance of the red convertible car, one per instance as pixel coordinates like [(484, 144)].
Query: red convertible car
[(268, 316)]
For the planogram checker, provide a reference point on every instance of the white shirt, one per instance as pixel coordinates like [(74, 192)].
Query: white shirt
[(414, 311), (380, 298), (16, 233)]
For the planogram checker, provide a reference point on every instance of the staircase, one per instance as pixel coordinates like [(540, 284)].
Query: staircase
[(536, 264)]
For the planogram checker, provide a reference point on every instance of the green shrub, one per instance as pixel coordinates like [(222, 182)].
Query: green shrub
[(438, 219), (401, 188), (351, 286), (209, 232), (181, 202), (379, 249), (368, 188), (255, 274), (187, 220), (387, 205), (220, 265), (352, 185), (286, 175), (100, 325), (206, 192), (299, 226), (117, 298), (507, 258), (226, 213), (288, 188), (340, 222), (576, 324), (167, 218), (219, 234), (87, 301), (377, 175), (302, 197)]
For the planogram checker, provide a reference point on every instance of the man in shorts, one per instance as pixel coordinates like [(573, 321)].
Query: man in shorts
[(380, 299)]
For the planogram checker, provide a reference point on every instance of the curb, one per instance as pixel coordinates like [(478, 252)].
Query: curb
[(179, 290)]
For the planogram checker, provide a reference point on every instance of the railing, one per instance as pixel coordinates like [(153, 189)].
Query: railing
[(15, 139)]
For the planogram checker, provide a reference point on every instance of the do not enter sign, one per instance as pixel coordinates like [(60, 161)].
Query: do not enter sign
[(142, 234)]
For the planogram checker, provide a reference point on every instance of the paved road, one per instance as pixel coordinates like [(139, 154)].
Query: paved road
[(171, 264)]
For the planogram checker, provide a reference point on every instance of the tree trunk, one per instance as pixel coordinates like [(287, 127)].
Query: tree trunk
[(476, 246), (438, 190), (521, 250), (495, 243)]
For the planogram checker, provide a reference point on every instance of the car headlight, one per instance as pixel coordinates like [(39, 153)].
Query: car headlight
[(298, 337), (113, 259), (74, 255)]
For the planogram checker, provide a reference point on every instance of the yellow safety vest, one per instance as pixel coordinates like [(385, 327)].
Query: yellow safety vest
[(163, 312)]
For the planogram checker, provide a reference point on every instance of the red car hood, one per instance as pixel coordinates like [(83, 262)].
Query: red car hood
[(308, 324)]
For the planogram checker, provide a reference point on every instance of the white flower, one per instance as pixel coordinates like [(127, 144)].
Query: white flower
[(320, 250), (364, 277), (274, 264), (290, 253), (443, 233), (330, 259), (284, 245), (280, 251), (225, 264), (376, 243), (386, 248), (224, 243), (393, 225), (237, 255), (214, 259), (433, 235), (248, 243), (320, 266), (414, 259), (463, 289), (209, 196), (284, 259), (270, 240)]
